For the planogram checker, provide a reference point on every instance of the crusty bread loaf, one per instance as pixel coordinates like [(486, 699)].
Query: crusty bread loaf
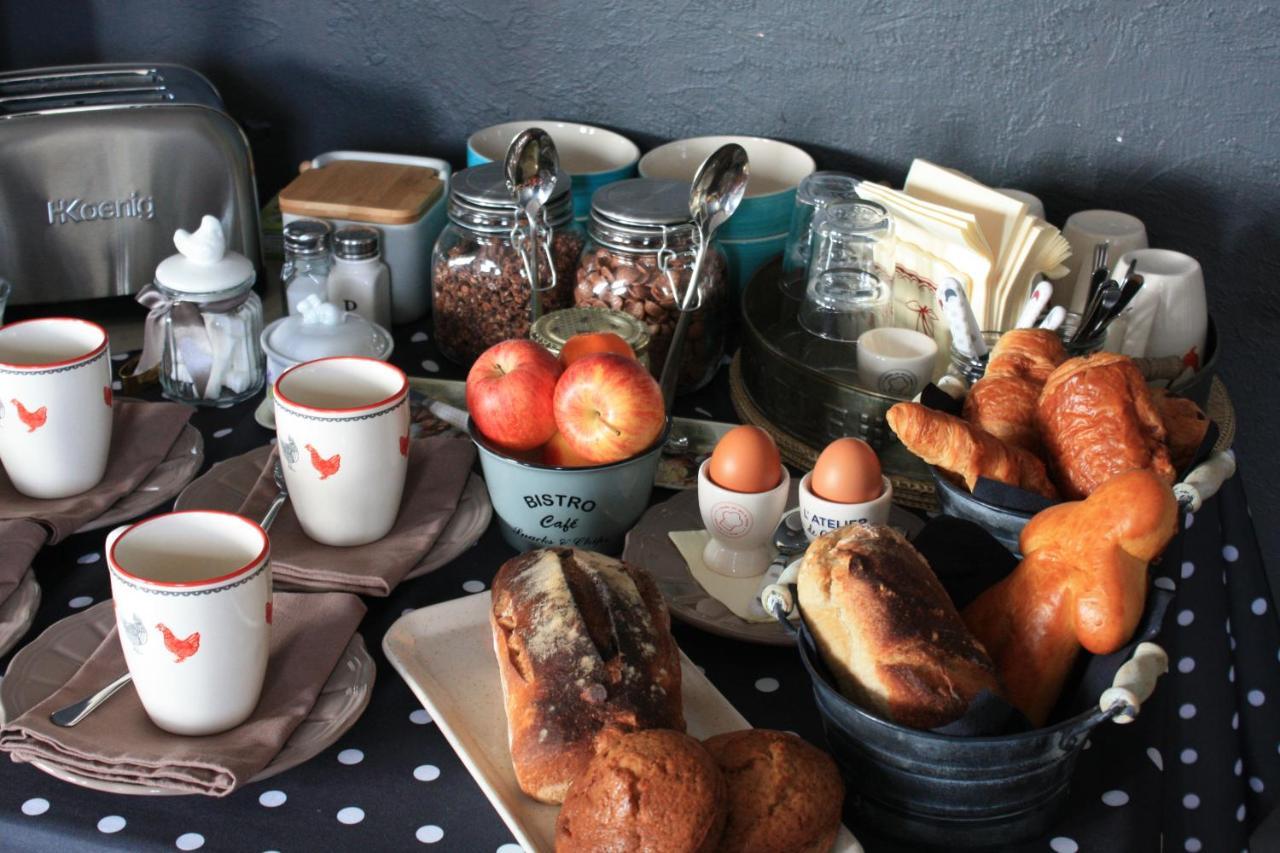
[(655, 791), (785, 796), (585, 652), (888, 630)]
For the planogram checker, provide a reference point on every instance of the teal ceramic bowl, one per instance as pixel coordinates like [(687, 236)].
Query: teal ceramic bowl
[(776, 171), (542, 506), (593, 156), (746, 257)]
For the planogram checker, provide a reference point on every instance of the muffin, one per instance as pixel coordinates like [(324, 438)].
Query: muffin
[(652, 791), (784, 794)]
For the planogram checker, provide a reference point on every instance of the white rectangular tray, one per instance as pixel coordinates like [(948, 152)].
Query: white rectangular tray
[(445, 654)]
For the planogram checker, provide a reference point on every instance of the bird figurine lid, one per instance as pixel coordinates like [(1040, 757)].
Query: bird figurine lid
[(321, 329), (203, 266)]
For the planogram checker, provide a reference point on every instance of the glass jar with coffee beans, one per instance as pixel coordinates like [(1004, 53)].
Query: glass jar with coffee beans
[(639, 259), (479, 288)]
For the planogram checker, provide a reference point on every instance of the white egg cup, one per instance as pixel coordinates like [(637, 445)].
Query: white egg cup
[(741, 525), (819, 516)]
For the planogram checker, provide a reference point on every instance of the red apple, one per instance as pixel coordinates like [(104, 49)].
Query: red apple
[(510, 391), (558, 452), (608, 408)]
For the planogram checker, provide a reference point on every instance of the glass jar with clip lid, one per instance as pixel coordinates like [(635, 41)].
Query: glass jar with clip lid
[(204, 321), (480, 276), (639, 259)]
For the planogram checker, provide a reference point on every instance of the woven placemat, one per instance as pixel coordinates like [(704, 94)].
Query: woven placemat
[(909, 491)]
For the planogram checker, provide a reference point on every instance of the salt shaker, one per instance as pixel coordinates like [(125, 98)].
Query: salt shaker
[(306, 261), (359, 280), (204, 322)]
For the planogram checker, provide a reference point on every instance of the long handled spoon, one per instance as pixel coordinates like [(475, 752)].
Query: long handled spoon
[(716, 191), (532, 166), (75, 712)]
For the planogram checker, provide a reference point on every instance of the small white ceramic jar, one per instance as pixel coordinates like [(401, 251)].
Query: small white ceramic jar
[(741, 525), (819, 516)]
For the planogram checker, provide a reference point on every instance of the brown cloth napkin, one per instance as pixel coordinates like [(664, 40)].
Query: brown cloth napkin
[(141, 435), (20, 539), (119, 743), (438, 470)]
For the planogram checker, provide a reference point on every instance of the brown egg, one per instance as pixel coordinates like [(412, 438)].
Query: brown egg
[(745, 460), (848, 472)]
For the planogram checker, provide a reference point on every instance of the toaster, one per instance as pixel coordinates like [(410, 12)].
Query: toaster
[(100, 164)]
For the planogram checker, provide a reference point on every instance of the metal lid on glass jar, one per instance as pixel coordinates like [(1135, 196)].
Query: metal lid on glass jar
[(642, 213), (554, 330), (307, 237), (480, 199), (356, 243)]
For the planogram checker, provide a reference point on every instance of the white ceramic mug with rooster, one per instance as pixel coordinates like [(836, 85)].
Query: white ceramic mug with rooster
[(55, 405), (342, 431), (192, 595)]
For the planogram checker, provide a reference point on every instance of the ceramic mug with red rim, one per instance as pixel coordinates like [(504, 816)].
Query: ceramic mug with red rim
[(342, 430), (192, 595), (55, 405)]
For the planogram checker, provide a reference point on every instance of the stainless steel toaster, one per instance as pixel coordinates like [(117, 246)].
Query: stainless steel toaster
[(100, 164)]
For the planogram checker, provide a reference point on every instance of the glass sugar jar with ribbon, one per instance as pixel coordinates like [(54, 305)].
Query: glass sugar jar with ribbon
[(205, 321)]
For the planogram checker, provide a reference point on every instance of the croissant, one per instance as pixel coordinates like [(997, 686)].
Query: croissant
[(966, 452), (1097, 419), (1003, 401), (1081, 583), (1026, 353), (1184, 424)]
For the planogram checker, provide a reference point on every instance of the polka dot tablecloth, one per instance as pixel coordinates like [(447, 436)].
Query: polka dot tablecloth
[(1199, 770)]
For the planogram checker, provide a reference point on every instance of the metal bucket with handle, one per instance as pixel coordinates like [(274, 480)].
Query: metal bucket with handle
[(949, 791)]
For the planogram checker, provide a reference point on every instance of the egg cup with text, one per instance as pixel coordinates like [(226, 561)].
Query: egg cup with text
[(820, 516), (55, 405), (192, 599), (342, 428), (741, 524)]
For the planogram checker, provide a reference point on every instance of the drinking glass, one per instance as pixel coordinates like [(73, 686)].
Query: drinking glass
[(816, 191), (850, 285)]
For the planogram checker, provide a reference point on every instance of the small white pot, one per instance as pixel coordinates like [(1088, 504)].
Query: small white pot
[(741, 525), (822, 516), (192, 597)]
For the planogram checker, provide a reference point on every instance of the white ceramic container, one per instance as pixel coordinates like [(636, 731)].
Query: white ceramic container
[(342, 427), (819, 516), (740, 524), (192, 595), (1169, 316), (55, 405), (406, 249), (897, 362)]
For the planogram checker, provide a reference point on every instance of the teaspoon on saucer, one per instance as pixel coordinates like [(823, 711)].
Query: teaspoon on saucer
[(72, 714)]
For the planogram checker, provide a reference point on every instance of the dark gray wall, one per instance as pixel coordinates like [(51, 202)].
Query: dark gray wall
[(1168, 110)]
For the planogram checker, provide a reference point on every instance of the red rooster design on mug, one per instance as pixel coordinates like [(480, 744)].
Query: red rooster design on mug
[(181, 649), (106, 395), (33, 420), (404, 445), (325, 467)]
